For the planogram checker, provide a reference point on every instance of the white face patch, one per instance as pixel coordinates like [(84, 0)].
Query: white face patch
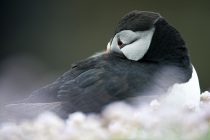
[(135, 44)]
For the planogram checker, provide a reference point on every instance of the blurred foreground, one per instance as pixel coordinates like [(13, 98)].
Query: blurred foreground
[(118, 121)]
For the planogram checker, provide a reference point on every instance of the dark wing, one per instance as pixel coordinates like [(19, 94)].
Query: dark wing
[(80, 89), (86, 93), (90, 85)]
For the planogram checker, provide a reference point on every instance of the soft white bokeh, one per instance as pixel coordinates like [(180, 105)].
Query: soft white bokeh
[(117, 121)]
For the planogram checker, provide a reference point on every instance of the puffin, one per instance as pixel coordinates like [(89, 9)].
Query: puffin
[(145, 59)]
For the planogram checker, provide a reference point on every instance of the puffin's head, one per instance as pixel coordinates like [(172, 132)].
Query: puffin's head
[(141, 34)]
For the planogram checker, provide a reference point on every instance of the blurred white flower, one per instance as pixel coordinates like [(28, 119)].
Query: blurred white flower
[(155, 104), (205, 96)]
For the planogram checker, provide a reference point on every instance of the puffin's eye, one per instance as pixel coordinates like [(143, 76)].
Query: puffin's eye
[(119, 42)]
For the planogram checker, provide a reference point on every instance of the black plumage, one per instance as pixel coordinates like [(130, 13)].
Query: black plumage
[(99, 80)]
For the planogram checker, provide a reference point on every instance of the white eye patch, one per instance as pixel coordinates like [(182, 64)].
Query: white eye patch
[(137, 49), (127, 36), (135, 44)]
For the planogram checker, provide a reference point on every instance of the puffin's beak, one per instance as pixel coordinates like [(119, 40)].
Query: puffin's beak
[(108, 48)]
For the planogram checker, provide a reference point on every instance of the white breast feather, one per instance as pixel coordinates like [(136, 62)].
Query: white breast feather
[(184, 94)]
